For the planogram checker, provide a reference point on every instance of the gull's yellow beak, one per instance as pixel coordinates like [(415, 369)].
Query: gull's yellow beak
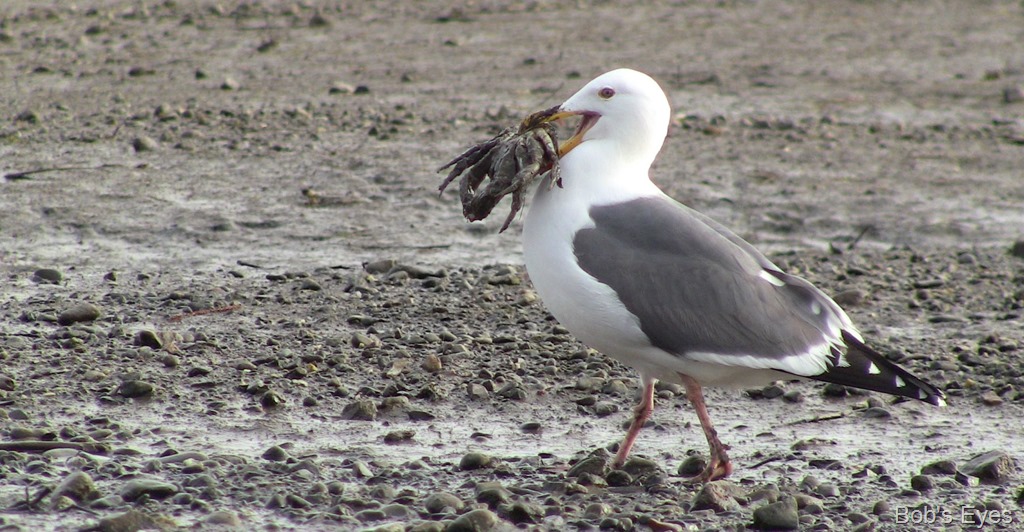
[(554, 115)]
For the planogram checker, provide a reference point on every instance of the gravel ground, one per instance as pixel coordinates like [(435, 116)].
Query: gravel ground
[(232, 297)]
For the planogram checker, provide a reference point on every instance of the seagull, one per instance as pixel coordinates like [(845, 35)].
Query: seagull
[(642, 278)]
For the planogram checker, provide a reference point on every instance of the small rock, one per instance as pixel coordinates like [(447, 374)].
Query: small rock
[(827, 490), (272, 399), (478, 520), (476, 391), (77, 486), (834, 390), (849, 298), (992, 467), (493, 494), (876, 412), (79, 313), (47, 275), (362, 469), (133, 520), (340, 87), (223, 518), (594, 465), (143, 143), (474, 460), (922, 483), (437, 502), (991, 398), (718, 496), (693, 465), (275, 454), (431, 363), (364, 410), (399, 436), (1017, 249), (596, 510), (941, 467), (155, 489), (780, 515), (522, 512), (1013, 94), (148, 338), (229, 84), (135, 389), (793, 396)]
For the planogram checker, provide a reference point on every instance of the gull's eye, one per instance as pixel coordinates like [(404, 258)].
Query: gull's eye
[(606, 93)]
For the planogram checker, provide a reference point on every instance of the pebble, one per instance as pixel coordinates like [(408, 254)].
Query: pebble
[(155, 489), (922, 483), (47, 275), (77, 486), (474, 460), (992, 467), (135, 389), (780, 515), (793, 396), (876, 412), (1017, 249), (223, 518), (597, 510), (693, 465), (362, 469), (438, 502), (79, 313), (431, 363), (134, 520), (718, 497), (477, 392), (594, 465), (493, 494), (275, 454), (940, 467), (991, 398), (362, 409), (474, 521), (1013, 94), (272, 399), (827, 490), (143, 143)]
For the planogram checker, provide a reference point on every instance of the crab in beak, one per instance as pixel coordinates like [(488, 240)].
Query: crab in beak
[(555, 114)]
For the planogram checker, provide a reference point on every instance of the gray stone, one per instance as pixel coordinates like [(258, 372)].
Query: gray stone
[(361, 410), (155, 489), (473, 521), (47, 275), (77, 486), (79, 313), (474, 460), (437, 502), (992, 467), (135, 389), (780, 515), (718, 496)]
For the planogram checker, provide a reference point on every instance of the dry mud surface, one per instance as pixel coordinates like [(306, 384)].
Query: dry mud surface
[(232, 298)]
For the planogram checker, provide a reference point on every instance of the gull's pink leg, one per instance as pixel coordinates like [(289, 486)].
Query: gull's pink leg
[(718, 465), (641, 414)]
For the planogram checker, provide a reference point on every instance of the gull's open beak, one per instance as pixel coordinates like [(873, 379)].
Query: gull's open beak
[(589, 119)]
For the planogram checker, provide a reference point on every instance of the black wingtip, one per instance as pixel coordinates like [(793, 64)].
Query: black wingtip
[(868, 369)]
